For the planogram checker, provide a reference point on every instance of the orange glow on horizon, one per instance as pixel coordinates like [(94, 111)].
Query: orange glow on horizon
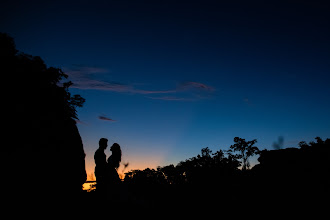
[(135, 163)]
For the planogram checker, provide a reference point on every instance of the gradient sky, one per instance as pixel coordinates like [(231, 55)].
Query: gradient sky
[(167, 78)]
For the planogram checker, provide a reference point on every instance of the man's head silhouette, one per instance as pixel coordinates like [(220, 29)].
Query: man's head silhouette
[(103, 143)]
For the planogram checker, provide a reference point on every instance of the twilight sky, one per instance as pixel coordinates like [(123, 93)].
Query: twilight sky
[(167, 78)]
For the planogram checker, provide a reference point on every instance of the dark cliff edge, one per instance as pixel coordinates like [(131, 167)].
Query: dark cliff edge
[(41, 142)]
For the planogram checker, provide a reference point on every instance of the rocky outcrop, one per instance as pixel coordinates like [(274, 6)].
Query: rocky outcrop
[(42, 145)]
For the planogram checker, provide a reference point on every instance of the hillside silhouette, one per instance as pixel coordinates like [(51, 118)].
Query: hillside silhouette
[(43, 144)]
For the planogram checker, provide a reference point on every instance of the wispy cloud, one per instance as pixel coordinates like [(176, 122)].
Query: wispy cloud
[(92, 78), (171, 98), (187, 91), (105, 118), (195, 85), (84, 77), (80, 70), (146, 92), (101, 85)]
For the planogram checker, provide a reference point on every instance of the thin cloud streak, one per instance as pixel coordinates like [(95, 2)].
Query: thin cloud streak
[(101, 85), (115, 87), (196, 85), (85, 78), (105, 118), (146, 92), (169, 98)]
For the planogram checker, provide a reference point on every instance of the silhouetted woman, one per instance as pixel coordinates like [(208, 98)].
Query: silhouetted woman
[(113, 164)]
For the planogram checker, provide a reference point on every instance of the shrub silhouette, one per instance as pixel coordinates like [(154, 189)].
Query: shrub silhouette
[(284, 177), (201, 169)]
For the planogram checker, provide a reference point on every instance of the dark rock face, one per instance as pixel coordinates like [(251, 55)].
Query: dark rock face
[(42, 145), (66, 158)]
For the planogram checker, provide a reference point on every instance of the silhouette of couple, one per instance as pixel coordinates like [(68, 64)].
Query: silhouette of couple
[(106, 170)]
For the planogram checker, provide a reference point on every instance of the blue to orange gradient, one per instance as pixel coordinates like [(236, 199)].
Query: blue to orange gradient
[(165, 80)]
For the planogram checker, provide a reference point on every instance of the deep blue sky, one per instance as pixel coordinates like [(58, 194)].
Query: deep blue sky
[(176, 76)]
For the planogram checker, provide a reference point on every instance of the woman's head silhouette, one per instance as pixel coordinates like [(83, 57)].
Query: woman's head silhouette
[(116, 155)]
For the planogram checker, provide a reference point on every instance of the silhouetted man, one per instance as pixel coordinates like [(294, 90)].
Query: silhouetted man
[(101, 165)]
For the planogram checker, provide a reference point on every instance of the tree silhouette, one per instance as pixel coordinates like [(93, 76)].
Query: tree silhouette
[(245, 149), (202, 169), (283, 176)]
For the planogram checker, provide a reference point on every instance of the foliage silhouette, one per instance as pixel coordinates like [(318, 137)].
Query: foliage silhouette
[(217, 174), (196, 170), (246, 150), (284, 177), (40, 127), (296, 175)]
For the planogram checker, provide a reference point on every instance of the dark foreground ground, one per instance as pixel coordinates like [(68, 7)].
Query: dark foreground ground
[(246, 198), (232, 199)]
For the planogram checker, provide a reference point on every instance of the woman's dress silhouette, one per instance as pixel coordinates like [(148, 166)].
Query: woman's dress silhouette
[(113, 164)]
